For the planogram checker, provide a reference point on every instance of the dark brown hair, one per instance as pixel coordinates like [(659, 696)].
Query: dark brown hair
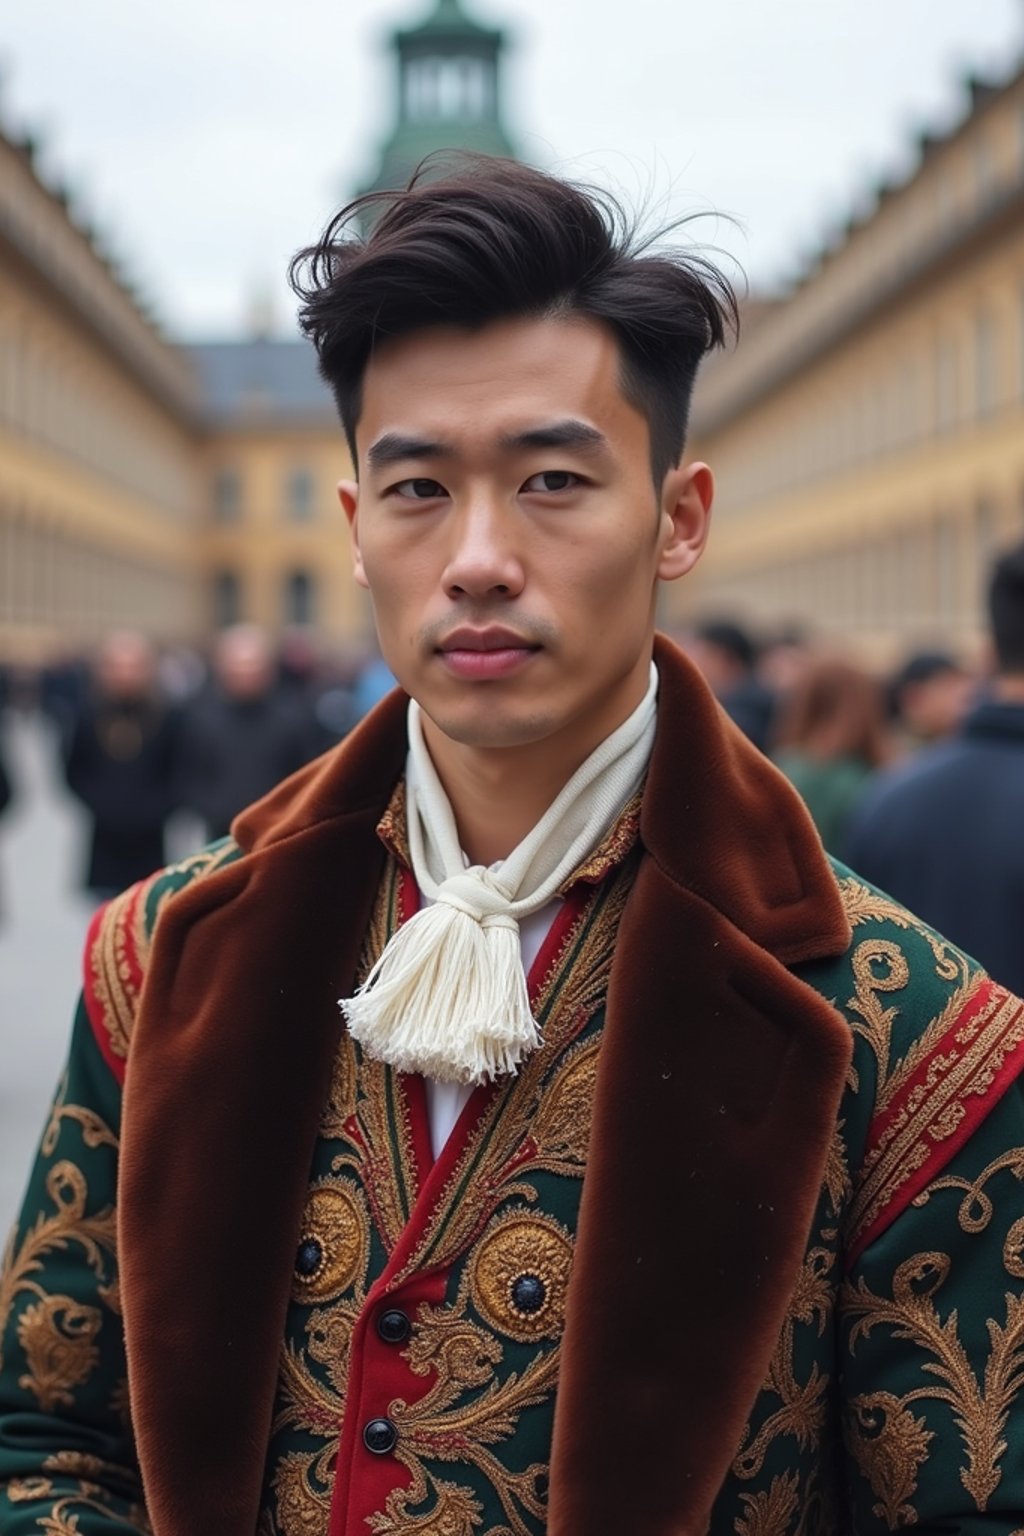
[(835, 710), (493, 240), (1006, 610)]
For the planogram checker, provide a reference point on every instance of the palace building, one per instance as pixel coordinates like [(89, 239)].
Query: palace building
[(101, 484), (867, 434), (182, 488)]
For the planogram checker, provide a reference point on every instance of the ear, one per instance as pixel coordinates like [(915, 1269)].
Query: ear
[(686, 497), (348, 495)]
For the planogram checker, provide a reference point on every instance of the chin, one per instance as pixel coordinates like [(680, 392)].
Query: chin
[(486, 728)]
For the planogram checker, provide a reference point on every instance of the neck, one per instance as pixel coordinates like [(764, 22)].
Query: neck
[(1008, 687), (498, 794)]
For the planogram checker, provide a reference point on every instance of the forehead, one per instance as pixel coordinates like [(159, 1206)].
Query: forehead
[(447, 382)]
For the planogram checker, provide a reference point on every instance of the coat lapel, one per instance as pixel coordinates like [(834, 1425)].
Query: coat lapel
[(719, 1079), (718, 1084), (228, 1072)]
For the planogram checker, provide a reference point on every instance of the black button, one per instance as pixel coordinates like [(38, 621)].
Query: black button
[(380, 1436), (393, 1326), (529, 1293), (309, 1257)]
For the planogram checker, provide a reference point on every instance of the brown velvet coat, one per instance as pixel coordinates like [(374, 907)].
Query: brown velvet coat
[(720, 1075)]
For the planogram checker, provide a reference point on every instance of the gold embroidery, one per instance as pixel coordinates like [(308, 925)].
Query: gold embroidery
[(21, 1489), (541, 1121), (502, 1146), (449, 1425), (617, 843), (341, 1099), (803, 1405), (381, 1137), (519, 1276), (455, 1512), (59, 1522), (770, 1513), (889, 1445), (116, 982), (612, 851), (976, 1208), (120, 950), (980, 1409), (935, 1108), (561, 1127), (862, 905), (56, 1332), (301, 1510), (59, 1337), (95, 1132), (334, 1244)]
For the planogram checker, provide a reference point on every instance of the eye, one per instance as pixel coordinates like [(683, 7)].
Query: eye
[(420, 489), (552, 481)]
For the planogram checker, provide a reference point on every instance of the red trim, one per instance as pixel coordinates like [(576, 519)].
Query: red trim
[(976, 1108), (378, 1374), (95, 1007), (410, 1084)]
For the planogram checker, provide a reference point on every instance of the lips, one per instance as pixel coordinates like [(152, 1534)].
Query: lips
[(480, 654), (492, 639)]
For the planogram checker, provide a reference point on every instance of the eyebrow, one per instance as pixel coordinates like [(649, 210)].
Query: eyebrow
[(396, 447), (393, 447), (558, 434)]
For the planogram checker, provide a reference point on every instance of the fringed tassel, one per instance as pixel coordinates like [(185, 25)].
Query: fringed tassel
[(447, 998)]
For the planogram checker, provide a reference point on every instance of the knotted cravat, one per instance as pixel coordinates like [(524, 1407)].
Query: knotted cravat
[(448, 996)]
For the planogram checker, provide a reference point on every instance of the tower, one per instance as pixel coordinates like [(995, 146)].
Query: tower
[(448, 93)]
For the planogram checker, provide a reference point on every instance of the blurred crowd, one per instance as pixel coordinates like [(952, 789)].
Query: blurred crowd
[(915, 779), (142, 734)]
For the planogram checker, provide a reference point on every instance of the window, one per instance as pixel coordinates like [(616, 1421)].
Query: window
[(945, 384), (299, 495), (227, 599), (984, 170), (227, 495), (985, 362), (298, 598)]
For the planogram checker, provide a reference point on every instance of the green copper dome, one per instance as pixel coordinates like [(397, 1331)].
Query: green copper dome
[(448, 75)]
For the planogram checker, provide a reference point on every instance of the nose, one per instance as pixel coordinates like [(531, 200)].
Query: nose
[(484, 559)]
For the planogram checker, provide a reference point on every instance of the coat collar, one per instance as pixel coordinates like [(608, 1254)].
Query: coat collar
[(720, 1077), (718, 818)]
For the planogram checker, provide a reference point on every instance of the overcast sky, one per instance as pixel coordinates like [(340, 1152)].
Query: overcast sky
[(208, 139)]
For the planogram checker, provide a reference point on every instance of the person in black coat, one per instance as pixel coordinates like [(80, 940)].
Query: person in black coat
[(243, 734), (120, 762), (944, 832)]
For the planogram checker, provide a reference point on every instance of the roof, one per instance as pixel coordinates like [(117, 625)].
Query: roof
[(447, 23), (249, 382)]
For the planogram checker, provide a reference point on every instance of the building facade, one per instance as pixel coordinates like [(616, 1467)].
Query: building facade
[(867, 433), (100, 475), (274, 542), (179, 489)]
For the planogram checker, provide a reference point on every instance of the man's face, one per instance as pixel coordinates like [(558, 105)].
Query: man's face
[(507, 527)]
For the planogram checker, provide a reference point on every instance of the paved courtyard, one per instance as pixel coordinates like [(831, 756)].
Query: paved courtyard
[(43, 919), (42, 923)]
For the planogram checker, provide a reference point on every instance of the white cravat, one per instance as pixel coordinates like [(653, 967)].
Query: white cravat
[(448, 996), (446, 1101)]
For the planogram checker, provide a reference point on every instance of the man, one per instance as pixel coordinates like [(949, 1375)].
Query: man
[(930, 694), (244, 733), (702, 1180), (943, 832), (727, 656), (121, 762)]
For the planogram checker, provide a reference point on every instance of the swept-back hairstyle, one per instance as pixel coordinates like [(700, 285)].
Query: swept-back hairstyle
[(491, 240), (1006, 610)]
